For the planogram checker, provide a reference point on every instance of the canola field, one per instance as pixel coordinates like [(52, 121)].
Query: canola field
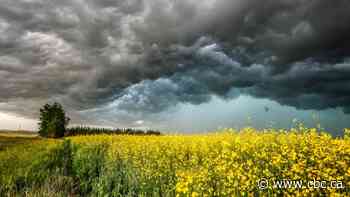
[(226, 163)]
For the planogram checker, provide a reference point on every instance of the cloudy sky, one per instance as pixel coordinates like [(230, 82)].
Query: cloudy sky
[(176, 64)]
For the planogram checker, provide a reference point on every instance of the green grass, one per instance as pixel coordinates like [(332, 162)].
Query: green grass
[(23, 160), (12, 138)]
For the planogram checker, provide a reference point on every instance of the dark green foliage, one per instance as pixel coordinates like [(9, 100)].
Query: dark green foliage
[(53, 121), (82, 130)]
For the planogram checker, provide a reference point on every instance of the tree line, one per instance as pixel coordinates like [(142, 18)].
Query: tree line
[(85, 130), (53, 123)]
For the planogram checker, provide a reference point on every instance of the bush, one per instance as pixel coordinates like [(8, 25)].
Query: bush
[(53, 121)]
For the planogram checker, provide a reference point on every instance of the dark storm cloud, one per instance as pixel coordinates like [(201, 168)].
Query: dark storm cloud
[(142, 56)]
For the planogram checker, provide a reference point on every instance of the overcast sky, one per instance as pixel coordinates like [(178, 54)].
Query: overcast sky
[(172, 63)]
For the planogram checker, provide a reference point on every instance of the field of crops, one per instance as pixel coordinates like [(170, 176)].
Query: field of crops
[(14, 138), (226, 163)]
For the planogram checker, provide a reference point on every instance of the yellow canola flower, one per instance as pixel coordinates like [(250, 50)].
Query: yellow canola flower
[(230, 162)]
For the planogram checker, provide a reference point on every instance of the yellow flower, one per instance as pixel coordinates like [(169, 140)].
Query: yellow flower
[(227, 163)]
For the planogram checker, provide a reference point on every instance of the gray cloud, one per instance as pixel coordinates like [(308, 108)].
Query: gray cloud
[(143, 57)]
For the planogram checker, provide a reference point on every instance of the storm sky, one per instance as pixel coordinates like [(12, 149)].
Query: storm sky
[(128, 63)]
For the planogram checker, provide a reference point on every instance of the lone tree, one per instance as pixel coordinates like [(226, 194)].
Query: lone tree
[(53, 121)]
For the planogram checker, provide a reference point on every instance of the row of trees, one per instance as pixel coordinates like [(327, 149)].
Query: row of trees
[(53, 124), (85, 130)]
